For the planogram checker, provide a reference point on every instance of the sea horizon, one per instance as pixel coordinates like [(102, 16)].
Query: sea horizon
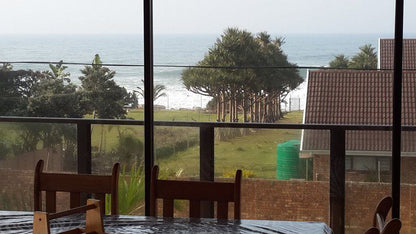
[(169, 49)]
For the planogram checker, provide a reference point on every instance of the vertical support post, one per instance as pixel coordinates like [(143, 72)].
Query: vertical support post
[(337, 181), (84, 153), (84, 148), (148, 98), (397, 109), (206, 165)]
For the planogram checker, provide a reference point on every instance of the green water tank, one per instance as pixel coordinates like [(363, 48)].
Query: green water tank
[(287, 160)]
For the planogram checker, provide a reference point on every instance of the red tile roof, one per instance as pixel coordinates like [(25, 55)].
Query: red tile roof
[(386, 53), (357, 97)]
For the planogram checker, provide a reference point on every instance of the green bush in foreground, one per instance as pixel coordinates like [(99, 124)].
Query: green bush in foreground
[(130, 191)]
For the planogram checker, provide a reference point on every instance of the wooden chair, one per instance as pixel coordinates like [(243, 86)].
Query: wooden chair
[(392, 227), (382, 210), (93, 219), (372, 230), (379, 219), (195, 192), (75, 184)]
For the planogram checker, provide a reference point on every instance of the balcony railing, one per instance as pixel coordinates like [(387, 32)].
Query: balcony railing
[(207, 168)]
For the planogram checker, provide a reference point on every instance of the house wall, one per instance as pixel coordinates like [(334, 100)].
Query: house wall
[(321, 171), (268, 199)]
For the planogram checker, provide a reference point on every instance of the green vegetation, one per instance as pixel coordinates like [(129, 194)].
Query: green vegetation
[(130, 191), (102, 96), (257, 92), (51, 94), (158, 91), (366, 59), (255, 152)]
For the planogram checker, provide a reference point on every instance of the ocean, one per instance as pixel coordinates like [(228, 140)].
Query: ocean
[(183, 50)]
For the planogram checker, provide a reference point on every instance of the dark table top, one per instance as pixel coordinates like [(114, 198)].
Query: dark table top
[(21, 222)]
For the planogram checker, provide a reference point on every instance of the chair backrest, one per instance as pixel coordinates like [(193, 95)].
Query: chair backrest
[(392, 227), (382, 210), (75, 184), (379, 219), (372, 230), (195, 192)]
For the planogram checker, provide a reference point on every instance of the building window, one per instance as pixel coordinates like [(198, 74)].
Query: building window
[(367, 163)]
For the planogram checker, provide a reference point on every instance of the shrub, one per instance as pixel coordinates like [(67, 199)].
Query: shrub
[(130, 190)]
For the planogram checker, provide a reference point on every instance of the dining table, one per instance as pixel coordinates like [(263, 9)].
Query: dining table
[(22, 222)]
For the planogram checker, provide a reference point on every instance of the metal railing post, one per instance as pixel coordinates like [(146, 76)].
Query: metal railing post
[(84, 148), (397, 108), (206, 165), (148, 98), (84, 152), (337, 181)]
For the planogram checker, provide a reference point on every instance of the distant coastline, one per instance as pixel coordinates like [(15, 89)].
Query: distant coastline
[(169, 49)]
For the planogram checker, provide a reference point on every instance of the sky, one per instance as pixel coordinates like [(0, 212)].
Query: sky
[(202, 16)]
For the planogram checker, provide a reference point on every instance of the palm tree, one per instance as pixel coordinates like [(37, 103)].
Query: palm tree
[(340, 61), (58, 71), (158, 91), (366, 59)]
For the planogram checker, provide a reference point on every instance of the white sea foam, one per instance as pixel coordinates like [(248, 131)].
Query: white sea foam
[(301, 49)]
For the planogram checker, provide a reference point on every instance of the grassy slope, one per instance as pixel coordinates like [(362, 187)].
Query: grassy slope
[(109, 139), (255, 152)]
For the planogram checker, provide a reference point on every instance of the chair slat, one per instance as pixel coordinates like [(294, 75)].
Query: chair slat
[(50, 201), (75, 183), (74, 200), (195, 209), (222, 210), (101, 198), (237, 195), (195, 190), (167, 208)]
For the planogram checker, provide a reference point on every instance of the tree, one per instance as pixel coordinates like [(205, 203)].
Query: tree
[(6, 67), (16, 87), (340, 61), (366, 59), (40, 94), (239, 85), (55, 96), (158, 91), (102, 96), (58, 71)]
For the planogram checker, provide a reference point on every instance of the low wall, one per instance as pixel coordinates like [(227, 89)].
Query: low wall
[(269, 199), (309, 201)]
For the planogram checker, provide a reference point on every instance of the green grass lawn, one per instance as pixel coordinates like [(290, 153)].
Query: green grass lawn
[(255, 152), (175, 115), (105, 137)]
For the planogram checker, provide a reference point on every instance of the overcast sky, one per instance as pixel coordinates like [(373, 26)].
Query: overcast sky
[(202, 16)]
